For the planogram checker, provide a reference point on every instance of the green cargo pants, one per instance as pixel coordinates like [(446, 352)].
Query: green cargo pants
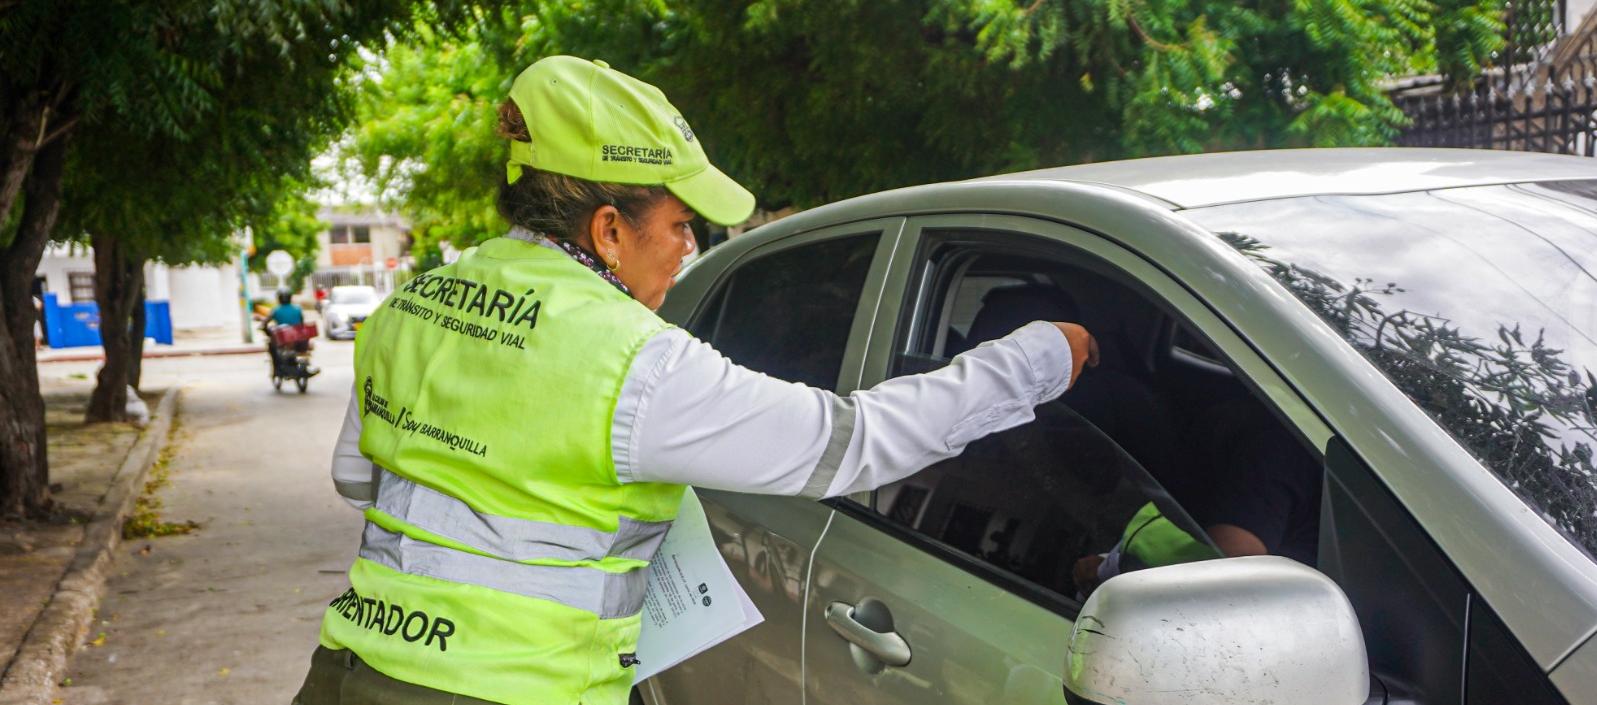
[(341, 678)]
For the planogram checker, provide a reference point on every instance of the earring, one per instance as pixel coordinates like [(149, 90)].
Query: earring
[(612, 267)]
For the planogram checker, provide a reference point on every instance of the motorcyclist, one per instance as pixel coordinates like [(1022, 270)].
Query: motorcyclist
[(285, 314)]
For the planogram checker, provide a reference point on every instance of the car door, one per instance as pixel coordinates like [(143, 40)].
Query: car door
[(967, 568), (799, 308)]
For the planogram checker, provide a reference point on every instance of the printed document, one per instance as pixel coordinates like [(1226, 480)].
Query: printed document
[(693, 602)]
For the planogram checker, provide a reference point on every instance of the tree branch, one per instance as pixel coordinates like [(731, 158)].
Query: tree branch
[(56, 133), (1131, 19)]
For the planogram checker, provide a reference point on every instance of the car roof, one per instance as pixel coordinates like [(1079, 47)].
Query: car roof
[(1197, 180)]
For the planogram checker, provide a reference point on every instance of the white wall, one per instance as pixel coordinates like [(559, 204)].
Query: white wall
[(58, 261), (203, 297), (1575, 11)]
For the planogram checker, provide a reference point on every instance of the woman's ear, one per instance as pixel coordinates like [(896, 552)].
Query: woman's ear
[(604, 230)]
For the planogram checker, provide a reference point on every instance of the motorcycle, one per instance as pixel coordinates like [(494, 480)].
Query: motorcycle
[(290, 348)]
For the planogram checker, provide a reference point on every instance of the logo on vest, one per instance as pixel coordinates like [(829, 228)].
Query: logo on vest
[(374, 405), (393, 620)]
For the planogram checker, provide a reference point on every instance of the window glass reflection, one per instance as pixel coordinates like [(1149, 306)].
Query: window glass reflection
[(1479, 303)]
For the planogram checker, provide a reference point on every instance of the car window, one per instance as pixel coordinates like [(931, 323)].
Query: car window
[(961, 311), (1479, 303), (1036, 501), (788, 314), (1032, 501)]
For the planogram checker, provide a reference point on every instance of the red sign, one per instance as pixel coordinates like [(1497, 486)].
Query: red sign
[(393, 263)]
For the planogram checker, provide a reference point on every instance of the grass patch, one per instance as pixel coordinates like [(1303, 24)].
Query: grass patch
[(145, 521)]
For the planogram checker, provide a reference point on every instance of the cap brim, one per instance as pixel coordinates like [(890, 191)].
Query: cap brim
[(715, 196)]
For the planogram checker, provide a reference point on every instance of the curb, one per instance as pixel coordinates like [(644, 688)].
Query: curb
[(195, 352), (41, 661)]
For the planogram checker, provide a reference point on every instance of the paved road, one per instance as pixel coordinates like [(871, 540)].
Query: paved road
[(229, 614)]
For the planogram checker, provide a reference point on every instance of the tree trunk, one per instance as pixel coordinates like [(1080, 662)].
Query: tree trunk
[(136, 354), (118, 279), (24, 125), (24, 466)]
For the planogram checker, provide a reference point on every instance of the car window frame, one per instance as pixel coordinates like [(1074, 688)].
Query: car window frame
[(1088, 249), (888, 232), (1263, 379)]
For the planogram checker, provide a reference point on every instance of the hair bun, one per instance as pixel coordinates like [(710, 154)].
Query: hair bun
[(512, 124)]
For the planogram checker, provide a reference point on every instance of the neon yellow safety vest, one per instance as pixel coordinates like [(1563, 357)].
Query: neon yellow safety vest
[(1152, 540), (503, 559)]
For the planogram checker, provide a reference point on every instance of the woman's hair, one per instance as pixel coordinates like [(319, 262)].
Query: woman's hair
[(558, 205)]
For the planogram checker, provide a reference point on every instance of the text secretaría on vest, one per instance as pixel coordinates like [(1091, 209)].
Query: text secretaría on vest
[(489, 303)]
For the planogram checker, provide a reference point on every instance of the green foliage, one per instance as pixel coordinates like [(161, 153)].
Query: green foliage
[(270, 75), (807, 104), (145, 520), (291, 226), (426, 131)]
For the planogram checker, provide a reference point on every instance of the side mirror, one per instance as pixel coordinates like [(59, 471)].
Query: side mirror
[(1262, 630)]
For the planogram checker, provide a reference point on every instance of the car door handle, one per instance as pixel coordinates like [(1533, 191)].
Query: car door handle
[(887, 646)]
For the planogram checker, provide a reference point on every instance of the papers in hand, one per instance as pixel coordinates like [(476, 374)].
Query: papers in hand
[(693, 602)]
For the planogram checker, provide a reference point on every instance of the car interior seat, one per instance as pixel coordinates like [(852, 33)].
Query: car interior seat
[(1121, 405)]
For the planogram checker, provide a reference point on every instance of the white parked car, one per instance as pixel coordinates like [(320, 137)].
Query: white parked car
[(347, 308)]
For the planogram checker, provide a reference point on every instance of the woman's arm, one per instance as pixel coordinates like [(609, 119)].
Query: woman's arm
[(688, 415), (353, 474)]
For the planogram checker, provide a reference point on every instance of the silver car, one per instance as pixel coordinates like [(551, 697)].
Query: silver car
[(1385, 357), (347, 308)]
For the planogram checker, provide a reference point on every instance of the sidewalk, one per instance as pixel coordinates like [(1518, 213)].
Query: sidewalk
[(204, 341), (49, 570)]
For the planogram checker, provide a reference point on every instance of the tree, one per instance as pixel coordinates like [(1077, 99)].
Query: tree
[(62, 62), (807, 106), (229, 166), (146, 78), (292, 226), (425, 131)]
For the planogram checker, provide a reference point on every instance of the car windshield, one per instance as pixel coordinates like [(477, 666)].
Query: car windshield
[(357, 296), (1479, 303)]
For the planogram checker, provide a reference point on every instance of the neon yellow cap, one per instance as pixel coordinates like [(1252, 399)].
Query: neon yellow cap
[(593, 122)]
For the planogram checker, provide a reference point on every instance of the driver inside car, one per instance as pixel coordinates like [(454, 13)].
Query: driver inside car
[(1263, 498)]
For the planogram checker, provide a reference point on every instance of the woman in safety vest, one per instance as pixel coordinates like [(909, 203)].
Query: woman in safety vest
[(523, 424)]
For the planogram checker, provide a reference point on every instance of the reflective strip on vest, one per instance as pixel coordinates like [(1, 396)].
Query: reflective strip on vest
[(843, 413), (510, 538), (609, 595)]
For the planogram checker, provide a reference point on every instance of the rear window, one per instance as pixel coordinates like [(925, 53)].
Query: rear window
[(1479, 303), (788, 314)]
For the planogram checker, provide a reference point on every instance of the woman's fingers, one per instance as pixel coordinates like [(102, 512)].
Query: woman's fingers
[(1083, 348)]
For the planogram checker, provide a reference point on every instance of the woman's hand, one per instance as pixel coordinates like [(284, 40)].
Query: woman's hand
[(1083, 348)]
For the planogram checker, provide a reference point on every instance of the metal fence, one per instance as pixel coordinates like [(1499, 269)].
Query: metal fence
[(1541, 97), (1558, 116)]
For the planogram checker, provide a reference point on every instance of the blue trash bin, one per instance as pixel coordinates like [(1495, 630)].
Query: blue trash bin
[(78, 325)]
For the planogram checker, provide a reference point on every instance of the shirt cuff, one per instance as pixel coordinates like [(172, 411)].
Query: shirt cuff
[(1048, 354)]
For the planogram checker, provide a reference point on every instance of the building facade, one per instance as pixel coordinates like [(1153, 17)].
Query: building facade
[(362, 247)]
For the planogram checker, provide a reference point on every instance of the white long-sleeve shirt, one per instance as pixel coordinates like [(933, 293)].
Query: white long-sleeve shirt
[(688, 415)]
